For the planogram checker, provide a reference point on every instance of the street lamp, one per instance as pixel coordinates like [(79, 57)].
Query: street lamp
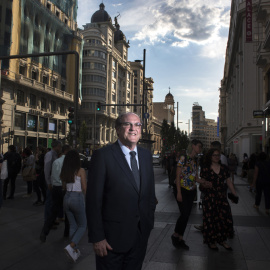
[(143, 97)]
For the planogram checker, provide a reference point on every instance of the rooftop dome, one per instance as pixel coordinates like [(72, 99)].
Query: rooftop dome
[(169, 95), (101, 15), (118, 34)]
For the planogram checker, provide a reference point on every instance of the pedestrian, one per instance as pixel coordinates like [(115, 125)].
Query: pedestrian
[(251, 170), (39, 184), (49, 158), (57, 194), (217, 216), (14, 163), (223, 158), (232, 164), (244, 165), (261, 181), (120, 198), (28, 171), (74, 182), (185, 191)]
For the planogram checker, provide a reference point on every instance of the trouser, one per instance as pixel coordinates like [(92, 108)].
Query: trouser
[(185, 208), (1, 193), (130, 260), (57, 204), (40, 187), (74, 207), (48, 204), (261, 187), (12, 179), (29, 187)]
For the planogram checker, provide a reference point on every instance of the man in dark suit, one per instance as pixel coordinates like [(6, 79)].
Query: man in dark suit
[(120, 199)]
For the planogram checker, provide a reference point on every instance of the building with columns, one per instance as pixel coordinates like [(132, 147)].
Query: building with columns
[(109, 78), (36, 92)]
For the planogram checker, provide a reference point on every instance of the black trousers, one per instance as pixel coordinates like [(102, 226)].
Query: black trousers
[(57, 204), (263, 187), (185, 208), (40, 187), (131, 260), (11, 178)]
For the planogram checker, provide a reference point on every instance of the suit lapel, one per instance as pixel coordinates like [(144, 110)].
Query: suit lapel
[(121, 160)]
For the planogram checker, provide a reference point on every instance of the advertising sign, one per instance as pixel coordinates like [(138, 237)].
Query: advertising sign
[(248, 20)]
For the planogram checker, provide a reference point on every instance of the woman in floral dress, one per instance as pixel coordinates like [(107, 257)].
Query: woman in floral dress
[(217, 216)]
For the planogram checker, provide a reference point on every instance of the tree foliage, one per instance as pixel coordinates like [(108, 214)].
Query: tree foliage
[(173, 139)]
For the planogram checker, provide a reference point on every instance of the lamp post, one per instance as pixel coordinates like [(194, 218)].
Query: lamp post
[(143, 95)]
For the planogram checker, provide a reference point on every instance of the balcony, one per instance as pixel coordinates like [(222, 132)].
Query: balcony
[(43, 87)]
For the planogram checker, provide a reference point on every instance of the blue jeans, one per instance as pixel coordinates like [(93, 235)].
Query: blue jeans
[(74, 206)]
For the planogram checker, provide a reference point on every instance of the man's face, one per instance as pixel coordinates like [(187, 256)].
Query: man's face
[(58, 149), (129, 132)]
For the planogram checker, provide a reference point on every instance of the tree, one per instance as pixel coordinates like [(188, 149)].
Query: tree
[(83, 135)]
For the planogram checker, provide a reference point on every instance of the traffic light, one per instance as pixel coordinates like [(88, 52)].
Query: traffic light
[(71, 115), (98, 106)]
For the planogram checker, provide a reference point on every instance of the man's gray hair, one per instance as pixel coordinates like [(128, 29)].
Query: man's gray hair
[(119, 119), (56, 143)]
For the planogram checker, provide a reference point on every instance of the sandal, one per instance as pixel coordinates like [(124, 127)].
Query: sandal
[(226, 246), (213, 247)]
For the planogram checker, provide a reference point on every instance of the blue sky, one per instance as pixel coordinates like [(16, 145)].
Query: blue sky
[(185, 42)]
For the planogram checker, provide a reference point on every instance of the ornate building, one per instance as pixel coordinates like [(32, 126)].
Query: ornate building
[(36, 92), (244, 87)]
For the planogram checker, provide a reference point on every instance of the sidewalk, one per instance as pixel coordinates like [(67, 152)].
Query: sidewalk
[(21, 223)]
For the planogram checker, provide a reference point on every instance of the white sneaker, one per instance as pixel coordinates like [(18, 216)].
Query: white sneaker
[(77, 254), (71, 253)]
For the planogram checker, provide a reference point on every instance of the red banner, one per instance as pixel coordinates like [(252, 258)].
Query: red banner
[(248, 20)]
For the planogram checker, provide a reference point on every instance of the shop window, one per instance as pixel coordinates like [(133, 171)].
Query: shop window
[(32, 122), (52, 126), (43, 124), (19, 121)]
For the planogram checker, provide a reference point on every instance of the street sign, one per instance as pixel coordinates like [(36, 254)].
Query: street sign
[(235, 141), (258, 114), (146, 115)]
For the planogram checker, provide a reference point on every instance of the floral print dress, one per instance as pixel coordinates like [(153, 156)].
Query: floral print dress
[(217, 215)]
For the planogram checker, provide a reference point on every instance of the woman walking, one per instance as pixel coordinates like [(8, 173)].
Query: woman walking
[(217, 216), (74, 181), (185, 190)]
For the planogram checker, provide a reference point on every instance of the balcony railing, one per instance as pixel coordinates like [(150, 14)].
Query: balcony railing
[(42, 87)]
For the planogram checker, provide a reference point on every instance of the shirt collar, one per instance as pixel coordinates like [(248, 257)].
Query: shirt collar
[(126, 150)]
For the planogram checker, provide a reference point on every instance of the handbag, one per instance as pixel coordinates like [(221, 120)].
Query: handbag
[(29, 174), (233, 198), (4, 170)]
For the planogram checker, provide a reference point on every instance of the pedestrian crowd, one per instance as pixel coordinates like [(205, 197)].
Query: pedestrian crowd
[(59, 182)]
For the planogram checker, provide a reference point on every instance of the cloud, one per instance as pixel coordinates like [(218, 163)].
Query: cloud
[(184, 22)]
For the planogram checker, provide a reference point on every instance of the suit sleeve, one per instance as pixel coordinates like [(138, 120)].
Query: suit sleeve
[(94, 197)]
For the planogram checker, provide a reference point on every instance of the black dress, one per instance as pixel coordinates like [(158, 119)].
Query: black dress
[(217, 215)]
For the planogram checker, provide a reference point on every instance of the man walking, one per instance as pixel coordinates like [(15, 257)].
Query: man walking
[(57, 194), (49, 158), (120, 199), (14, 164)]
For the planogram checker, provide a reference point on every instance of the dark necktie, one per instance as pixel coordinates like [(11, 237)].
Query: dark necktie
[(134, 168)]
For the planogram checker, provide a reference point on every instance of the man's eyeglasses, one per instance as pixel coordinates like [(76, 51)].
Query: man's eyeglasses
[(129, 125)]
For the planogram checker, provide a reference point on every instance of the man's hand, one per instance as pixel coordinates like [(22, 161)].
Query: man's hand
[(101, 247)]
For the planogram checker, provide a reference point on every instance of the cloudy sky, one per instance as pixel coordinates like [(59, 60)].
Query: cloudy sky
[(185, 42)]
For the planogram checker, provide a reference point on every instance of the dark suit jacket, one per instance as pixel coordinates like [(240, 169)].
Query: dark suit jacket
[(114, 206)]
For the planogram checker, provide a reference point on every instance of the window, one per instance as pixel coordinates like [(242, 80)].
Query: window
[(34, 75), (43, 104), (135, 91), (20, 97), (45, 79), (32, 102), (135, 73), (32, 122), (62, 109), (66, 21), (63, 87), (57, 13), (43, 124), (8, 16), (49, 6), (22, 70), (114, 85), (114, 74), (52, 126), (135, 82), (114, 64), (54, 83), (113, 97), (53, 107), (19, 121)]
